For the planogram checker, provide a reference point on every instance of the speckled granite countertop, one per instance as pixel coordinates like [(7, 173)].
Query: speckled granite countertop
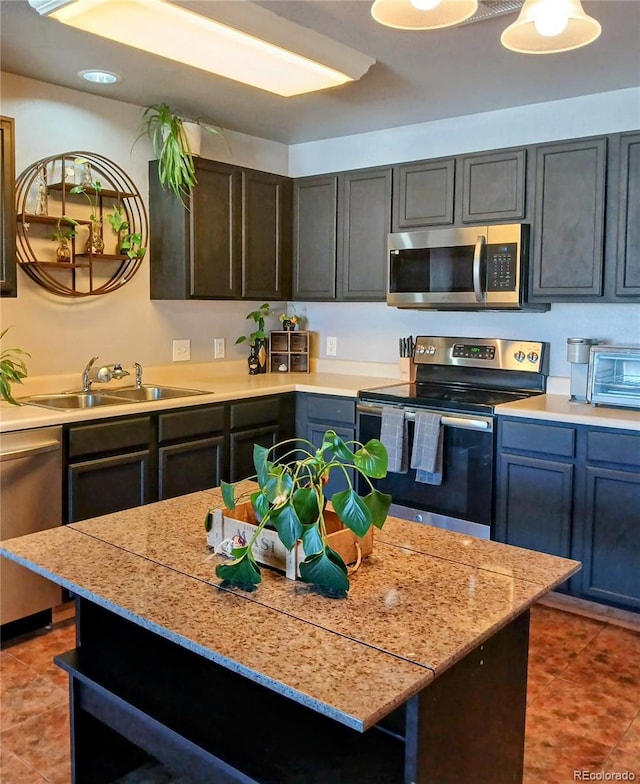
[(418, 604)]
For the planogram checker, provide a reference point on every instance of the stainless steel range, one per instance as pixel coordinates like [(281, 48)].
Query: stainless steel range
[(459, 382)]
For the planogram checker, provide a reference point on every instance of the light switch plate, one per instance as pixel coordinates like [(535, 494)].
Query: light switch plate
[(218, 348), (332, 347), (181, 350)]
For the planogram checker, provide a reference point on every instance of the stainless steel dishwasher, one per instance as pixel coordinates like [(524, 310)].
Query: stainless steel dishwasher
[(30, 500)]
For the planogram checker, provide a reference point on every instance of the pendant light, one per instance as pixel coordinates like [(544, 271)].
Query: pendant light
[(422, 14), (548, 26)]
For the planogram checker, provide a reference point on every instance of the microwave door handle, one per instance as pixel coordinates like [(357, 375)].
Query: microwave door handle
[(477, 266)]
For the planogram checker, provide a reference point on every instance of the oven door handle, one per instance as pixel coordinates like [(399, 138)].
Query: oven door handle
[(479, 423), (477, 267)]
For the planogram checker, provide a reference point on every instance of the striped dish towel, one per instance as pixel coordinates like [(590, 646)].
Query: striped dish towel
[(393, 434), (426, 456)]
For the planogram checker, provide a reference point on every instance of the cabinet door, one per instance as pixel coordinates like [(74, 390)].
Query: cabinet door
[(186, 468), (423, 194), (315, 204), (266, 236), (611, 557), (241, 449), (628, 258), (108, 484), (8, 287), (569, 220), (196, 249), (534, 503), (365, 218), (493, 187)]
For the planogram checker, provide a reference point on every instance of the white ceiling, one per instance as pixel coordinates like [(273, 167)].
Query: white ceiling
[(418, 76)]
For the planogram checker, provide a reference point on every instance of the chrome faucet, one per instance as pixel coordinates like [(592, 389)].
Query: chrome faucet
[(138, 368), (102, 375)]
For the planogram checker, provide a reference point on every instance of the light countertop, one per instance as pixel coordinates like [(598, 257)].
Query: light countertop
[(419, 603), (558, 408)]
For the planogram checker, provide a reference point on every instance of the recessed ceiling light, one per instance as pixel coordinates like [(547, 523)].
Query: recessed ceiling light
[(99, 77)]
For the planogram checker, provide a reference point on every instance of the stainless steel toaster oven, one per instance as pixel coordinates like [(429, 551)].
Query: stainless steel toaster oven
[(614, 376)]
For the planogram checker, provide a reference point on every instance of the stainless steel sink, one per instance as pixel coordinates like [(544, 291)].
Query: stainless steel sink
[(72, 401), (150, 392)]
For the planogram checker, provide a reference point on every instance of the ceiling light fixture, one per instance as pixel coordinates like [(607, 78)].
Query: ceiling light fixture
[(422, 14), (99, 77), (549, 26), (244, 42)]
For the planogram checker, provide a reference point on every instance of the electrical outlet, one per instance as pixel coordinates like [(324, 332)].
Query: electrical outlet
[(332, 347), (181, 350), (218, 348)]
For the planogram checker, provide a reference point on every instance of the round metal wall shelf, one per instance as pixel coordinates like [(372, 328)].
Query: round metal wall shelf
[(62, 195)]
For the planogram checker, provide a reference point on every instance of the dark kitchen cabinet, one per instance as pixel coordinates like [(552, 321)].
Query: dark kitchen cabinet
[(315, 214), (627, 195), (192, 450), (423, 194), (264, 421), (110, 467), (608, 535), (535, 476), (315, 414), (341, 222), (493, 186), (232, 240), (574, 492), (8, 283), (569, 220)]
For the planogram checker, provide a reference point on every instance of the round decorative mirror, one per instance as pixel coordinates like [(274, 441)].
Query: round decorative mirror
[(82, 224)]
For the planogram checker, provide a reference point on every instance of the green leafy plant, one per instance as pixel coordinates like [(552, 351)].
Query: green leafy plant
[(258, 317), (165, 129), (12, 370), (129, 243), (291, 499), (94, 204)]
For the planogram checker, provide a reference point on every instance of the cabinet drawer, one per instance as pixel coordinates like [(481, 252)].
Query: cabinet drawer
[(331, 409), (190, 423), (620, 448), (255, 412), (109, 436), (544, 439)]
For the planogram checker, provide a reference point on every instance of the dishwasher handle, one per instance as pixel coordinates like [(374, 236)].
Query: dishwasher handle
[(29, 451)]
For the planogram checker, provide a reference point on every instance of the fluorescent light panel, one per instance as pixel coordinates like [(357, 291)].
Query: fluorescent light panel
[(178, 34)]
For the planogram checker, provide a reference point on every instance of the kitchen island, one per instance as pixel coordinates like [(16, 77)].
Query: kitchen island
[(419, 675)]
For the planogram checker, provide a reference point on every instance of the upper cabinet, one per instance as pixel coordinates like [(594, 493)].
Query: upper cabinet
[(340, 227), (7, 209), (493, 186), (233, 241), (423, 194), (569, 220), (627, 196)]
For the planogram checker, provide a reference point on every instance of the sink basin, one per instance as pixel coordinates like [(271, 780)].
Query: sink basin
[(71, 401), (151, 392)]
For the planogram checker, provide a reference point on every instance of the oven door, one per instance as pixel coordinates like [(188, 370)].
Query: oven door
[(463, 501)]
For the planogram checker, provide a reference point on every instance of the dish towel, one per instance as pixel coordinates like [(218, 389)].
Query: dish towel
[(426, 456), (393, 434)]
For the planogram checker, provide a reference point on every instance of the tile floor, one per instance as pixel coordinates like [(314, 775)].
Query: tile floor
[(583, 704)]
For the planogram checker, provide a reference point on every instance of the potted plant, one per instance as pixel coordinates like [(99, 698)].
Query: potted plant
[(90, 188), (129, 243), (257, 339), (12, 370), (62, 236), (289, 321), (291, 499), (172, 146)]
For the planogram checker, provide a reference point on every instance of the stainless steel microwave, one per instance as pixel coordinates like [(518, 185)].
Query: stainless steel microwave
[(471, 268), (614, 376)]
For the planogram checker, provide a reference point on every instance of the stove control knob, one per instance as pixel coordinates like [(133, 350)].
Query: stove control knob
[(420, 349), (532, 356), (431, 350), (519, 356)]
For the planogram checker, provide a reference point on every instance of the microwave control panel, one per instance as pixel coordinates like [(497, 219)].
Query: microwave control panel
[(501, 267)]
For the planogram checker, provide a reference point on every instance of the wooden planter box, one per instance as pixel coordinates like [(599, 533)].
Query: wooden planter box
[(240, 525)]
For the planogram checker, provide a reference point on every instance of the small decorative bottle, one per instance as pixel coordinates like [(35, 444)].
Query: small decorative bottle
[(42, 205), (63, 251), (254, 366)]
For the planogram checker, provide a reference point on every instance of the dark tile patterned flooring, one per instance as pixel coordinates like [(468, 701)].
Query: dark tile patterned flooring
[(583, 705)]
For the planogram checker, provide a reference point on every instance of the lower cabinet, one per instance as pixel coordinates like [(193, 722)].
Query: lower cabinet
[(315, 414), (574, 491)]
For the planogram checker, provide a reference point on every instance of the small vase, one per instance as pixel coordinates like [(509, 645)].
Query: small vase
[(288, 325), (63, 251), (261, 354), (95, 243)]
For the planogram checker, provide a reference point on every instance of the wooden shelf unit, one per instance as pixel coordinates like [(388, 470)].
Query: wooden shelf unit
[(289, 351)]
